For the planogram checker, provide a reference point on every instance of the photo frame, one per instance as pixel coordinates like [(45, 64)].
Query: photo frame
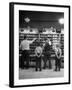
[(35, 21)]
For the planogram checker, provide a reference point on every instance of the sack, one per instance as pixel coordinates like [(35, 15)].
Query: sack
[(38, 51)]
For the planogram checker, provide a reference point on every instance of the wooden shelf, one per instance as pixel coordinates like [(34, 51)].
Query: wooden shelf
[(53, 37)]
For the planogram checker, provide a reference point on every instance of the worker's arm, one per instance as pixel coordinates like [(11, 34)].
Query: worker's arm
[(32, 40)]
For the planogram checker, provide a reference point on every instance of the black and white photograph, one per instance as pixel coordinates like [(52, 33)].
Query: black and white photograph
[(41, 44)]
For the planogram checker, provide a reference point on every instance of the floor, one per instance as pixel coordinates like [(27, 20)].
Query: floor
[(45, 73)]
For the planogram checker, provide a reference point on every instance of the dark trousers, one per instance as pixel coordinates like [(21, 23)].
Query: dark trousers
[(38, 63), (57, 64), (25, 58), (47, 58)]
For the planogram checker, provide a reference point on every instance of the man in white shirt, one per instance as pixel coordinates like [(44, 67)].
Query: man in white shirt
[(25, 47)]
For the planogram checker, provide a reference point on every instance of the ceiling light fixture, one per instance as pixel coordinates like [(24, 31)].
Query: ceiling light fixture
[(61, 20)]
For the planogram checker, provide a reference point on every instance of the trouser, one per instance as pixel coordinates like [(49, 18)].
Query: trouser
[(38, 63), (57, 64), (25, 58), (47, 58)]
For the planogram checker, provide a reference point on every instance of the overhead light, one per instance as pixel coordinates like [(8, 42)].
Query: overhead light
[(61, 20), (27, 20)]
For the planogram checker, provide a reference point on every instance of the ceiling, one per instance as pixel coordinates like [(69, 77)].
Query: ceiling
[(40, 16)]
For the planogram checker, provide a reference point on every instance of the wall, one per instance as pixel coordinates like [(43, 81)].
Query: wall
[(45, 24)]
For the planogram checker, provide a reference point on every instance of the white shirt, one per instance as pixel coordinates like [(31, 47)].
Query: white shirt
[(25, 44), (56, 52)]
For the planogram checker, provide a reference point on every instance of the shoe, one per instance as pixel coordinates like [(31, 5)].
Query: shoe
[(36, 70), (40, 70), (44, 67), (59, 69), (55, 70)]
